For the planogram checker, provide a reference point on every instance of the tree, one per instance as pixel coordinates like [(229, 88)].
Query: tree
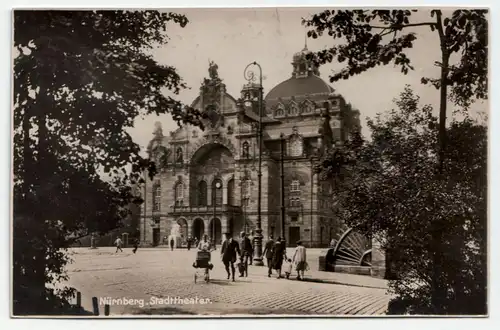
[(387, 187), (80, 79), (369, 38)]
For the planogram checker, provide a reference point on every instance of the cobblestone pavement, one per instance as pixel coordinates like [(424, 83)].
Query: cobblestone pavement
[(160, 274)]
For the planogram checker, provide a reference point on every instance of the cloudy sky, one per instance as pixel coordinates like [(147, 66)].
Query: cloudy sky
[(235, 37)]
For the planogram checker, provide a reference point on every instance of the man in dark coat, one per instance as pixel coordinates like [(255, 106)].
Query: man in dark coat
[(229, 251), (136, 245), (268, 253), (247, 252)]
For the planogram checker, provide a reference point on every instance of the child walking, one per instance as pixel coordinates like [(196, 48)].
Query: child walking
[(288, 268), (299, 258)]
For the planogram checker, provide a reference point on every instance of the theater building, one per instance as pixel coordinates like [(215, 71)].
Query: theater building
[(208, 179)]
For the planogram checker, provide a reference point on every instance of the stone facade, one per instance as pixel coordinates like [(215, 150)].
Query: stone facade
[(183, 198)]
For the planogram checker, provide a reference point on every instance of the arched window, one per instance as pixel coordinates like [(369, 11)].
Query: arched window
[(280, 110), (295, 202), (295, 186), (179, 193), (245, 150), (296, 146), (179, 156), (202, 193), (217, 191), (157, 198), (230, 192)]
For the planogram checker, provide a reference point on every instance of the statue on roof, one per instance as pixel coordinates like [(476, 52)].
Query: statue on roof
[(158, 131), (212, 70)]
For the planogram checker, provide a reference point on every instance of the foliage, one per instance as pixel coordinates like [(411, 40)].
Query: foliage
[(369, 38), (80, 79), (388, 187), (366, 43)]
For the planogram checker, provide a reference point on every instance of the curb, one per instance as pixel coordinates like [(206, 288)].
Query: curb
[(325, 281)]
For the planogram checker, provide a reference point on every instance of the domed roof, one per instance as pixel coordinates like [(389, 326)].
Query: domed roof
[(294, 86), (305, 79)]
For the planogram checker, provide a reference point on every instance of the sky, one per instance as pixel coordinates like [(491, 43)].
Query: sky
[(236, 37)]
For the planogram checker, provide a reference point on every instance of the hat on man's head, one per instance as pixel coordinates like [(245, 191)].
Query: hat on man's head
[(299, 242)]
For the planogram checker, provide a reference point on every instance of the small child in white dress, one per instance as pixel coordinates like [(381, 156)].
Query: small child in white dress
[(288, 268)]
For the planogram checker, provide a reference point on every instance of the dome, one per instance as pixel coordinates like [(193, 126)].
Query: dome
[(294, 86), (305, 80)]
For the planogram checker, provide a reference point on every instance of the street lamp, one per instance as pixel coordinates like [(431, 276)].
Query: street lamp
[(214, 202), (282, 177), (250, 77), (245, 201)]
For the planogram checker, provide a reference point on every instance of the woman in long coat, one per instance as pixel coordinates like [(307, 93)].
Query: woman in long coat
[(279, 253)]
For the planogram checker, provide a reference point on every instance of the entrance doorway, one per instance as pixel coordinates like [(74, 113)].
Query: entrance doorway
[(215, 230), (156, 236), (198, 228), (293, 235)]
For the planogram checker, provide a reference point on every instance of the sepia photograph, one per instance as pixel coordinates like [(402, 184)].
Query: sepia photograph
[(249, 162)]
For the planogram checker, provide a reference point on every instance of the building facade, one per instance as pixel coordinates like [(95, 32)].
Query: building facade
[(207, 181)]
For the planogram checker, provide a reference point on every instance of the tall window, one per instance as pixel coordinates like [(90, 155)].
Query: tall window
[(293, 109), (296, 146), (179, 156), (179, 193), (230, 192), (217, 192), (157, 198), (202, 193), (295, 186), (246, 150)]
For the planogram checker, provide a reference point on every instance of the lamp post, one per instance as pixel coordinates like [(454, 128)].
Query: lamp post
[(312, 200), (214, 202), (282, 176), (245, 201), (250, 77)]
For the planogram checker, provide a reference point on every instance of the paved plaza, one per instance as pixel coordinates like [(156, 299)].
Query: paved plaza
[(161, 282)]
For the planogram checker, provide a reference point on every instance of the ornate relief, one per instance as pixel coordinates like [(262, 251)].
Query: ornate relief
[(212, 139)]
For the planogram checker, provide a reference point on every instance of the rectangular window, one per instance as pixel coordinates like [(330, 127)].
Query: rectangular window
[(294, 219), (157, 199), (295, 186), (156, 219)]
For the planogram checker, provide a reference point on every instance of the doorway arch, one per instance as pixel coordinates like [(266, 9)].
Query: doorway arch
[(198, 228), (215, 228)]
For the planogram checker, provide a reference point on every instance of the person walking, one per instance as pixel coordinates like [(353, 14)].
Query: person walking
[(204, 244), (136, 245), (300, 260), (189, 243), (228, 253), (247, 251), (268, 253), (118, 244), (172, 244), (279, 253)]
